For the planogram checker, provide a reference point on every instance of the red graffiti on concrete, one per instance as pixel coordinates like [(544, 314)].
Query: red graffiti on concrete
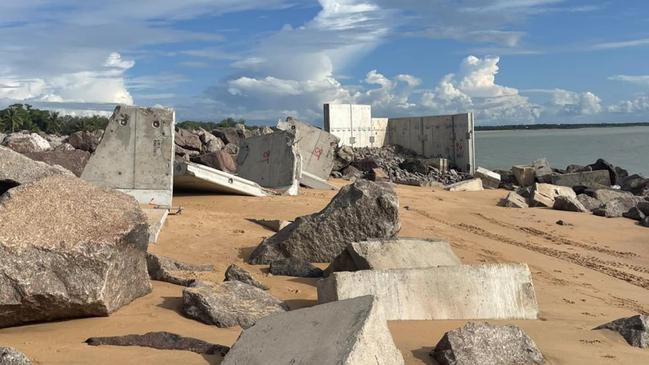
[(317, 152)]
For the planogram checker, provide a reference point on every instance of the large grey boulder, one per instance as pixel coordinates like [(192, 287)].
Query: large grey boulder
[(236, 273), (606, 195), (86, 140), (589, 179), (635, 330), (26, 142), (513, 200), (542, 171), (616, 174), (219, 160), (74, 160), (569, 204), (163, 268), (635, 213), (618, 207), (230, 304), (187, 140), (589, 202), (347, 332), (69, 249), (17, 169), (229, 135), (485, 344), (11, 356), (358, 212)]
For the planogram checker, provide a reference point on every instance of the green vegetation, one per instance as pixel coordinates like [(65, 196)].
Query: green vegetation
[(18, 117), (191, 124), (556, 126)]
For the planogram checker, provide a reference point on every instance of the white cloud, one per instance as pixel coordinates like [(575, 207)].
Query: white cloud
[(636, 106), (621, 44), (642, 80)]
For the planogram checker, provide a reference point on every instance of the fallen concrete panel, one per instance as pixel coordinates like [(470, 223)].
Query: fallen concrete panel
[(402, 253), (589, 179), (195, 177), (316, 147), (495, 291), (136, 155), (490, 179), (348, 332), (314, 182), (156, 218), (467, 185)]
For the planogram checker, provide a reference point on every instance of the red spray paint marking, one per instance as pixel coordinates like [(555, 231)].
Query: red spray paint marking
[(265, 157), (317, 152)]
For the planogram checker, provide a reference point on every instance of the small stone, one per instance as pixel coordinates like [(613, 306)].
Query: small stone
[(235, 273), (295, 267)]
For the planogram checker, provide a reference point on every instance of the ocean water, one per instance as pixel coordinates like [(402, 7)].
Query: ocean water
[(627, 147)]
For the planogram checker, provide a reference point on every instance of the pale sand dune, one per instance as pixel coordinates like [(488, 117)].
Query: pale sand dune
[(585, 275)]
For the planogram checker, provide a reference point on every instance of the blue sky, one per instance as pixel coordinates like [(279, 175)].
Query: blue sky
[(509, 61)]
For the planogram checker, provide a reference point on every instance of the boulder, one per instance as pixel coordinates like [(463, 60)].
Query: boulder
[(606, 195), (230, 304), (359, 211), (352, 173), (525, 175), (466, 185), (344, 157), (236, 273), (513, 200), (232, 149), (490, 179), (295, 267), (377, 174), (11, 356), (163, 268), (74, 160), (213, 145), (186, 154), (17, 169), (86, 140), (634, 213), (161, 341), (569, 204), (70, 249), (616, 174), (65, 147), (187, 140), (26, 142), (635, 330), (228, 135), (544, 195), (617, 207), (636, 184), (571, 169), (402, 253), (219, 160), (542, 171), (348, 332), (589, 202), (643, 206), (589, 179), (482, 343), (645, 222)]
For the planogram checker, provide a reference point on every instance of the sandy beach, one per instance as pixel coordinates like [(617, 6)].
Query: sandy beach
[(587, 273)]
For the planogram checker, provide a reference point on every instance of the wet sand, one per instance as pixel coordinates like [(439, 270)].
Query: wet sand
[(586, 274)]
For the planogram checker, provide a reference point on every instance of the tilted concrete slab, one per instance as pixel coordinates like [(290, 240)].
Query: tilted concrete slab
[(466, 185), (136, 154), (272, 161), (348, 332), (156, 218), (494, 291), (314, 182), (490, 179), (194, 177), (402, 253)]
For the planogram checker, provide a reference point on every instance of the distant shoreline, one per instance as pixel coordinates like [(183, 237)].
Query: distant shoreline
[(556, 126)]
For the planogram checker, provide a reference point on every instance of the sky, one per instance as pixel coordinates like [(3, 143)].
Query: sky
[(508, 61)]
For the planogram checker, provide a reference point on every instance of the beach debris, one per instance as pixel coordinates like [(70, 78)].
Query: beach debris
[(86, 140), (359, 211), (467, 185), (401, 253), (589, 202), (232, 303), (274, 225), (347, 332), (490, 179), (161, 341), (343, 158), (73, 160), (295, 267), (70, 249), (513, 200), (26, 142), (17, 169), (569, 204), (11, 356), (483, 343), (236, 273), (163, 268), (561, 222), (635, 330)]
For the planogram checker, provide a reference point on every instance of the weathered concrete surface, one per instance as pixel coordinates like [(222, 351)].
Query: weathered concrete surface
[(194, 177), (230, 304), (313, 182), (70, 249), (359, 211), (635, 330), (490, 179), (295, 267), (496, 291), (402, 253), (161, 341), (236, 273), (482, 343), (74, 160), (589, 179), (17, 169), (11, 356), (467, 185), (156, 218), (569, 204), (544, 195), (513, 200), (525, 175), (163, 268), (136, 155), (542, 171), (617, 174), (589, 202), (26, 142), (348, 332)]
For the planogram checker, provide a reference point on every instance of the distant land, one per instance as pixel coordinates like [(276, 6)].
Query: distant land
[(557, 126)]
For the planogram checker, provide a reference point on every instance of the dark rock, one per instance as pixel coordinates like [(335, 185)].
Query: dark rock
[(571, 169), (230, 304), (295, 267), (617, 174), (161, 341), (163, 268), (617, 207), (588, 179), (359, 211), (643, 206), (635, 184), (343, 158), (11, 356), (482, 343), (85, 140), (507, 178), (513, 200), (569, 204), (219, 160), (185, 153), (235, 273), (525, 191), (377, 175), (187, 140), (74, 160), (645, 222), (563, 223), (81, 252), (542, 171), (415, 165), (635, 330), (366, 164), (589, 202), (228, 135), (634, 213), (352, 173)]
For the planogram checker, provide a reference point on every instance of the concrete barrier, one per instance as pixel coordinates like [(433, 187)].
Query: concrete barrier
[(195, 177), (156, 218), (495, 291), (136, 155), (591, 179), (348, 332)]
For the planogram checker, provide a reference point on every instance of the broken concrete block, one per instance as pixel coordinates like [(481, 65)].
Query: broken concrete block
[(74, 160), (513, 200), (542, 171), (635, 330), (235, 273), (402, 253), (490, 179), (69, 249), (467, 185), (617, 174), (589, 179), (589, 202), (194, 177), (295, 267), (229, 135), (482, 343), (163, 268), (545, 194), (496, 291), (358, 212), (161, 341), (230, 304), (26, 142), (11, 356), (17, 169), (348, 332), (525, 175), (569, 204)]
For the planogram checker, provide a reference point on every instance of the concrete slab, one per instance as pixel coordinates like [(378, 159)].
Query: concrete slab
[(194, 177), (494, 291), (314, 182), (156, 218), (525, 175), (274, 225), (467, 185), (544, 195), (136, 154), (589, 179), (348, 332), (402, 253), (490, 179)]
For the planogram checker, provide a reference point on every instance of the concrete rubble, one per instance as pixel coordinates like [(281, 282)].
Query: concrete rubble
[(274, 225), (569, 204), (483, 343), (163, 268), (490, 179), (467, 185), (635, 330), (616, 208), (348, 332), (81, 252), (11, 356), (195, 177), (229, 304), (161, 341), (496, 291), (402, 253), (589, 179), (236, 273), (513, 200), (295, 267), (359, 211), (544, 195)]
